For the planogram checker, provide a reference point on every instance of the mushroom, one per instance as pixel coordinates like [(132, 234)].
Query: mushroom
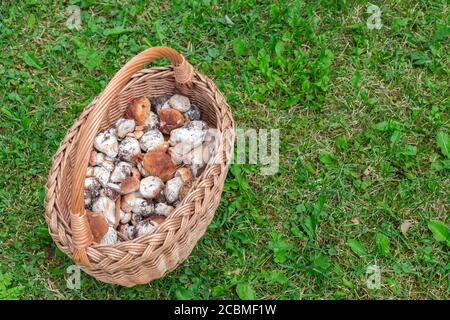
[(184, 190), (196, 158), (170, 119), (172, 189), (135, 173), (145, 228), (163, 209), (159, 164), (143, 207), (152, 121), (139, 110), (160, 103), (150, 187), (87, 201), (185, 173), (125, 126), (151, 140), (96, 158), (127, 203), (180, 103), (92, 186), (128, 148), (193, 113), (190, 136), (137, 134), (125, 217), (126, 231), (106, 207), (136, 218), (157, 218), (102, 175), (108, 164), (110, 237), (107, 143), (142, 170), (90, 171), (112, 191), (161, 197), (98, 224), (121, 172), (130, 184), (112, 131)]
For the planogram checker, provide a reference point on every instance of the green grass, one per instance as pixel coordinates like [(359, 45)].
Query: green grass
[(364, 120)]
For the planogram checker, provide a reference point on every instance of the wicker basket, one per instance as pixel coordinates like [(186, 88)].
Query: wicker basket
[(148, 257)]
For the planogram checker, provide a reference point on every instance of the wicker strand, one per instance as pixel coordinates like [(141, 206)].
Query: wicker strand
[(82, 237), (183, 72)]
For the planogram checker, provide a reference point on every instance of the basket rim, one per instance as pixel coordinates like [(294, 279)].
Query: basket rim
[(153, 72)]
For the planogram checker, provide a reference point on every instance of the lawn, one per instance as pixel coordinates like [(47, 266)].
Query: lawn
[(364, 126)]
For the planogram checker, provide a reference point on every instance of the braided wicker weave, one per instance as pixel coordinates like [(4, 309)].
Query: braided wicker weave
[(148, 257)]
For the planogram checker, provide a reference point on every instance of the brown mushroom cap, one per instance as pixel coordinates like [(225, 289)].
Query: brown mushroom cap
[(98, 224), (130, 184), (157, 218), (159, 164), (135, 173), (185, 173), (139, 110), (170, 119)]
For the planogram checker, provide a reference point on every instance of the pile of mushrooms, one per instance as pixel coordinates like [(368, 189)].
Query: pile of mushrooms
[(142, 168)]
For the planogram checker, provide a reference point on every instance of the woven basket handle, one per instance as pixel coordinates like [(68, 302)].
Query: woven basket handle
[(81, 233)]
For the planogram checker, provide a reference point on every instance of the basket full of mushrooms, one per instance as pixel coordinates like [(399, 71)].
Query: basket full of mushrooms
[(138, 177)]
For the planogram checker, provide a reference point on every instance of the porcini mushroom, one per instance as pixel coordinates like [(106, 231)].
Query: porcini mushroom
[(110, 237), (190, 136), (129, 148), (150, 187), (163, 209), (185, 173), (106, 207), (193, 113), (180, 103), (172, 189), (159, 164), (98, 224), (112, 191), (107, 143), (143, 207), (125, 126), (152, 121), (139, 110), (130, 184), (96, 158), (170, 119), (102, 175), (151, 140), (121, 171), (145, 228)]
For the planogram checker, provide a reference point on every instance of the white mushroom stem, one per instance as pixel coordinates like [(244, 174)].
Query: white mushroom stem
[(107, 143), (125, 126), (163, 209), (121, 172), (172, 189), (110, 237), (190, 136), (102, 175)]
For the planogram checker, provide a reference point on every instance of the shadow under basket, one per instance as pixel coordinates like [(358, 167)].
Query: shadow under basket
[(151, 256)]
